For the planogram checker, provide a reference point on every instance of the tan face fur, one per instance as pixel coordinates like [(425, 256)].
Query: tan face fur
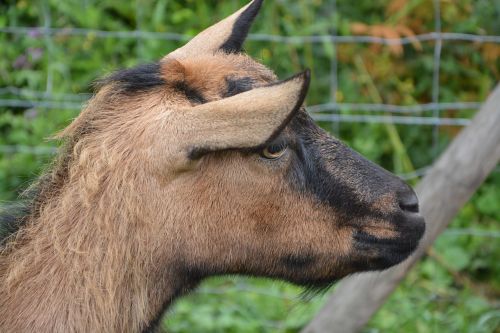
[(201, 164)]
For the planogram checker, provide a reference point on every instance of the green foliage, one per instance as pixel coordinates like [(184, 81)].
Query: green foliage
[(227, 304), (455, 290)]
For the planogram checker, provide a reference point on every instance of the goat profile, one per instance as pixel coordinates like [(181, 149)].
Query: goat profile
[(200, 164)]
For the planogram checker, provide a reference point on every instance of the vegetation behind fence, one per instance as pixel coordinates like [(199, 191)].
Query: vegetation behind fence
[(395, 79)]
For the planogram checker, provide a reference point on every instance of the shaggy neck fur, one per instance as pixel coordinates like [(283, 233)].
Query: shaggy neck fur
[(100, 249), (91, 257)]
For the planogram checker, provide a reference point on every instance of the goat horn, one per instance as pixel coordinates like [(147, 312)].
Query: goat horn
[(227, 35)]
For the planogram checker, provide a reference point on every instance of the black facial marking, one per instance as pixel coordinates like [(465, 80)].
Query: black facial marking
[(241, 27), (364, 240), (310, 173), (235, 86), (298, 261), (337, 175), (306, 76), (192, 94), (140, 78), (197, 152), (381, 253)]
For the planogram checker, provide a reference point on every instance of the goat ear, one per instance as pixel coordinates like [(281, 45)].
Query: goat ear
[(228, 35), (247, 120)]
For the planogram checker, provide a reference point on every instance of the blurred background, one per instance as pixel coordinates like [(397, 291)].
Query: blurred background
[(395, 79)]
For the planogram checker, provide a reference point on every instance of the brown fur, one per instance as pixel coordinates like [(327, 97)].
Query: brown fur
[(127, 219), (207, 73), (71, 255)]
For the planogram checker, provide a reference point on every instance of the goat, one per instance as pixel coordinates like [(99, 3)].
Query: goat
[(200, 164)]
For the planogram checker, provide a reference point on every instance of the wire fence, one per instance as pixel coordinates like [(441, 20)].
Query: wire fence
[(16, 97)]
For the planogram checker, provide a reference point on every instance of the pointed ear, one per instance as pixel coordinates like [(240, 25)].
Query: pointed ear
[(228, 35), (247, 120)]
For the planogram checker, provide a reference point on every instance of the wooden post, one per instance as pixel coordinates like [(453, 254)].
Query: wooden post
[(443, 191)]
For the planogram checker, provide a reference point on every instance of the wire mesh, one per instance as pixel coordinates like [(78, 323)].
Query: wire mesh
[(16, 97), (326, 112), (333, 111)]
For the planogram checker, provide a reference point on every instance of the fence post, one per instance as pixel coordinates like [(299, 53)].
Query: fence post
[(443, 191)]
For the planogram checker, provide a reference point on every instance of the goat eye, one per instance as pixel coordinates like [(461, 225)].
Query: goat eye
[(274, 151)]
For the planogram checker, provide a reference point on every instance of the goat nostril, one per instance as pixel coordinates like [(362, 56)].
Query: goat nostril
[(408, 202)]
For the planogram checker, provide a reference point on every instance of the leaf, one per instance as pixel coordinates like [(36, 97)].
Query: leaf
[(457, 257)]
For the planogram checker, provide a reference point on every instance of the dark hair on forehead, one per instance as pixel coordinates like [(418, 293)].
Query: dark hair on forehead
[(146, 77), (235, 85), (139, 78)]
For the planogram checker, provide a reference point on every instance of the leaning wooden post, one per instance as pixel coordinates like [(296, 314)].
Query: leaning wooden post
[(443, 191)]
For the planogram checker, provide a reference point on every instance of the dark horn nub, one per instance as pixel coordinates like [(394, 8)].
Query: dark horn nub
[(241, 27)]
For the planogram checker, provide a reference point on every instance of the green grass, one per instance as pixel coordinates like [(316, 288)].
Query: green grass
[(455, 289)]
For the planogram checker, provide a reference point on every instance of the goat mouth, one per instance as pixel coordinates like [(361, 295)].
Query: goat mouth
[(382, 253), (411, 225), (367, 242)]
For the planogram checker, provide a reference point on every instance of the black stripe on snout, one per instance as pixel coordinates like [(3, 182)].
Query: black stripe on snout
[(317, 167)]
